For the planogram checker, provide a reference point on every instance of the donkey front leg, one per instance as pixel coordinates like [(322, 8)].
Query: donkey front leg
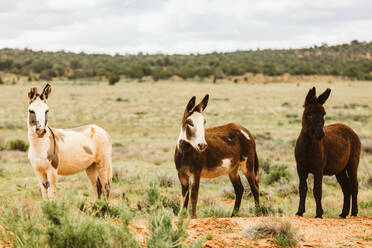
[(318, 194), (184, 180), (303, 191), (52, 180), (194, 193), (43, 182)]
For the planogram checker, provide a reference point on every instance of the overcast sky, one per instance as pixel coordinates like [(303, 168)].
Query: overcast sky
[(181, 26)]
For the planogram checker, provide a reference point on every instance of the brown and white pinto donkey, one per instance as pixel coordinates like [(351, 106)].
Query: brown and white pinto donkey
[(66, 151), (329, 150), (213, 152)]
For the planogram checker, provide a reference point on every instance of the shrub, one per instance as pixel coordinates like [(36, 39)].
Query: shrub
[(165, 180), (162, 233), (1, 81), (280, 231), (261, 210), (228, 192), (65, 230), (22, 228), (113, 78), (119, 99), (17, 145), (276, 173), (100, 208)]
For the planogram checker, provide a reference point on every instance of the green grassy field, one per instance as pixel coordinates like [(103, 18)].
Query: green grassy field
[(143, 120)]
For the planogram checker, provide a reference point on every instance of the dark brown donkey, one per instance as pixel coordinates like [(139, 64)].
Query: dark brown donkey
[(213, 152), (329, 150)]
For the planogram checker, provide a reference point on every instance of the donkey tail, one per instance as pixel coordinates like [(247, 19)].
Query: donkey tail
[(256, 165)]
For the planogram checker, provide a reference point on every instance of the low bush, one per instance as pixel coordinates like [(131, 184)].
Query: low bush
[(276, 173), (17, 145), (281, 232), (162, 232)]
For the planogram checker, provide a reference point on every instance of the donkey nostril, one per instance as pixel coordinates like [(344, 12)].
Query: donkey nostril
[(202, 146)]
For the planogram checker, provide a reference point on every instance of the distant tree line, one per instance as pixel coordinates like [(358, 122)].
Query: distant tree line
[(353, 60)]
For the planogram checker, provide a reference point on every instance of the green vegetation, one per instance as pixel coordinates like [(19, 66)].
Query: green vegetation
[(276, 173), (143, 120), (349, 60), (17, 145)]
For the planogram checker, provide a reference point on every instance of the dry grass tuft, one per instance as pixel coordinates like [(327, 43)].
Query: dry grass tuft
[(280, 231)]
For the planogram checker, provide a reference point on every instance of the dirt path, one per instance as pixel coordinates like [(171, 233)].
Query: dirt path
[(227, 232)]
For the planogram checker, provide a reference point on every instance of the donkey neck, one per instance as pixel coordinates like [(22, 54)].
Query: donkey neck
[(310, 142), (36, 141)]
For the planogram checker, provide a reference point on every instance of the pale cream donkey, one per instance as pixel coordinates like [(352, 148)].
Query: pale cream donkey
[(55, 151)]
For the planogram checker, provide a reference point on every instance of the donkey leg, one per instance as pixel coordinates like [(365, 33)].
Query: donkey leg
[(103, 178), (43, 182), (248, 171), (318, 178), (92, 174), (184, 180), (303, 191), (238, 188), (343, 180), (52, 179), (353, 178), (194, 193)]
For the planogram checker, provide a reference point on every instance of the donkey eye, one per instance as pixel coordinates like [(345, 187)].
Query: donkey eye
[(189, 122), (47, 111)]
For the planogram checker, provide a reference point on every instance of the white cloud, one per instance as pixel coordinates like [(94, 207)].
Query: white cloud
[(176, 26)]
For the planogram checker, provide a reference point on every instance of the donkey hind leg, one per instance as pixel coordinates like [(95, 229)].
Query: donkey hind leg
[(184, 180), (43, 182), (344, 181), (103, 178), (52, 180), (238, 188), (92, 173), (249, 173), (353, 178)]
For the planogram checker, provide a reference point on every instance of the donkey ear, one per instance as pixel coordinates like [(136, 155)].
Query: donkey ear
[(32, 94), (324, 96), (203, 104), (311, 97), (191, 104), (46, 92)]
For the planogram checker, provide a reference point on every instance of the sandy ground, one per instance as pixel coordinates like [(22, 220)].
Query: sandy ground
[(228, 232)]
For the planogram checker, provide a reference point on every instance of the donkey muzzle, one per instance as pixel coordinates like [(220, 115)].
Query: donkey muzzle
[(40, 132), (202, 147)]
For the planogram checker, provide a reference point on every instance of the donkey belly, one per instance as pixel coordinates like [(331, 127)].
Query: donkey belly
[(215, 171), (76, 154)]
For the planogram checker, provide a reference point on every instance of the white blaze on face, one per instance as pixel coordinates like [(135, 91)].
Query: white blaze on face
[(37, 112), (195, 135)]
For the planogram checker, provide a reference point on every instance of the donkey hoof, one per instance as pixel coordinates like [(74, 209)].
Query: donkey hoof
[(299, 214), (354, 214), (318, 217), (343, 216)]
